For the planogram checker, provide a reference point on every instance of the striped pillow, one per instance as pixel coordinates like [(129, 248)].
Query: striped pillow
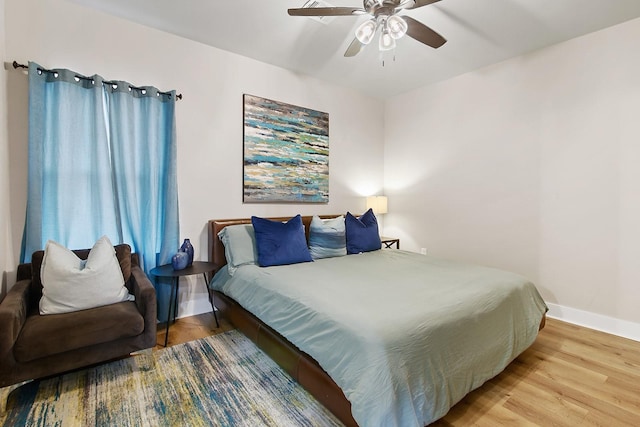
[(327, 237)]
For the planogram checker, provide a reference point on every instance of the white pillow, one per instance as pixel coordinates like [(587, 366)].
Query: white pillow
[(71, 284)]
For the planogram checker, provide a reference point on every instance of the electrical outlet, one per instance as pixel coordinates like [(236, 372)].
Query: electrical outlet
[(423, 251)]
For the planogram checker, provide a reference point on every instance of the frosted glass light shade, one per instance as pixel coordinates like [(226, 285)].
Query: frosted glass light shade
[(397, 26), (386, 41), (366, 31), (378, 204)]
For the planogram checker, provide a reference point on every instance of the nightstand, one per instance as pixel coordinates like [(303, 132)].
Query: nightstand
[(198, 267), (388, 242)]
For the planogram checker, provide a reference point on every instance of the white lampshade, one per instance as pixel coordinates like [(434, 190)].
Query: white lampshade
[(397, 26), (378, 204), (366, 31), (386, 41)]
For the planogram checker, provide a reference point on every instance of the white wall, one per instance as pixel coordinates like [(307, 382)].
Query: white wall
[(530, 165), (56, 33), (5, 256)]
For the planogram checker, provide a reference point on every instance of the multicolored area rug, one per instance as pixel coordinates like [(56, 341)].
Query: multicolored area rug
[(222, 380)]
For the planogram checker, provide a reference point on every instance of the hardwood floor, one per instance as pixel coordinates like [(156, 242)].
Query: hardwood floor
[(571, 376), (191, 328)]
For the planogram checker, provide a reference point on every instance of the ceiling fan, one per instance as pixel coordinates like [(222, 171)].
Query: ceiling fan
[(384, 16)]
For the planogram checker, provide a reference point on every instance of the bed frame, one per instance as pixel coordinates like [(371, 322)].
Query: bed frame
[(302, 367)]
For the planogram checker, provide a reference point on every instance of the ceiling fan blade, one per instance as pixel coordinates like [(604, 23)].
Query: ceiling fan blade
[(354, 48), (420, 3), (423, 34), (326, 11)]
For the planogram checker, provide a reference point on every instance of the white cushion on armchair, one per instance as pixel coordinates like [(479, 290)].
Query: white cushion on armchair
[(71, 284)]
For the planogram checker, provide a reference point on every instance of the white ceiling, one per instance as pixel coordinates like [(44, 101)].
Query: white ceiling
[(479, 33)]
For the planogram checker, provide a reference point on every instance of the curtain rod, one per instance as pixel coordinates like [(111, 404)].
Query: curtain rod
[(17, 65)]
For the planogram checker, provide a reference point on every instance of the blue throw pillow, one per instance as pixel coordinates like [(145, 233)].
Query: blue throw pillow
[(280, 243), (327, 237), (362, 233)]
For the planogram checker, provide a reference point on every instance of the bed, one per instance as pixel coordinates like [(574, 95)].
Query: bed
[(369, 337)]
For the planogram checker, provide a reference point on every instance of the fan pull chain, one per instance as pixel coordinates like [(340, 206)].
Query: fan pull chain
[(394, 58)]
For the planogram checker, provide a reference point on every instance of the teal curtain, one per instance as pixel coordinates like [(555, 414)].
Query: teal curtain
[(102, 161)]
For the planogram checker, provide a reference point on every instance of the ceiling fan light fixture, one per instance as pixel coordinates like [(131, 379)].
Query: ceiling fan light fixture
[(366, 31), (383, 16), (386, 41), (397, 26)]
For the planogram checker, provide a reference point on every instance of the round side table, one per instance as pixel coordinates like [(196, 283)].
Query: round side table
[(198, 267)]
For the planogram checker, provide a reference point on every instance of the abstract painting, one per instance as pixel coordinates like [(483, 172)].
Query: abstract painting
[(286, 153)]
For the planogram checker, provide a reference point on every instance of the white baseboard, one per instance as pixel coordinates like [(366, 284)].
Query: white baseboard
[(599, 322), (193, 308)]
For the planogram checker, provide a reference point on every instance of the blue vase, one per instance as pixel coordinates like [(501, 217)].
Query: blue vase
[(180, 261), (188, 249)]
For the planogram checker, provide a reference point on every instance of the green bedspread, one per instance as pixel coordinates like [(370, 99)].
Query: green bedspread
[(405, 336)]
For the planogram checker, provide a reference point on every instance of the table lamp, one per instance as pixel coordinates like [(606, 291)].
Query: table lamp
[(378, 204)]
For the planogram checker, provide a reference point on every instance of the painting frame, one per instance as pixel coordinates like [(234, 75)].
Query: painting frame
[(285, 152)]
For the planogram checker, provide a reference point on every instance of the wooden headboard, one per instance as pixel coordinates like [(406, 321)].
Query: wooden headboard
[(216, 248)]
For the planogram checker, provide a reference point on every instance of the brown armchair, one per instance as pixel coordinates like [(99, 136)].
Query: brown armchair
[(34, 346)]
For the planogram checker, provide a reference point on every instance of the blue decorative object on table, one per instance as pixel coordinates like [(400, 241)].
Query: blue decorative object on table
[(180, 261), (188, 249)]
